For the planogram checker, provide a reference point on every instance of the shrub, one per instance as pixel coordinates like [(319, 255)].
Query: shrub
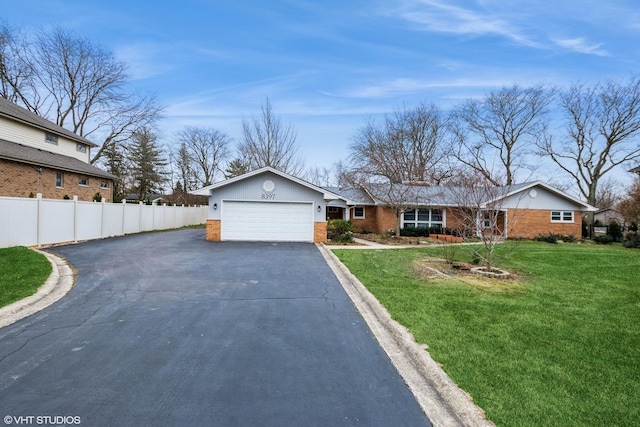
[(554, 238), (615, 231), (603, 240), (340, 230), (97, 197), (415, 232), (632, 240)]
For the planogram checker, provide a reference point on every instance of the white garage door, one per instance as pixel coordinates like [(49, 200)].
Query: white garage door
[(267, 221)]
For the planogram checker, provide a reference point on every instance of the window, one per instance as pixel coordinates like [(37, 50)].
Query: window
[(332, 209), (358, 212), (486, 219), (51, 138), (81, 148), (104, 184), (83, 181), (423, 218), (561, 216), (59, 179)]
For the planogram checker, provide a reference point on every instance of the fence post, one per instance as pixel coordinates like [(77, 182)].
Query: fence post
[(38, 217), (124, 214), (75, 219), (140, 217), (103, 201)]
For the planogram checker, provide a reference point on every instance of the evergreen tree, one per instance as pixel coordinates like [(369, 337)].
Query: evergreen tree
[(117, 164), (147, 164), (235, 168)]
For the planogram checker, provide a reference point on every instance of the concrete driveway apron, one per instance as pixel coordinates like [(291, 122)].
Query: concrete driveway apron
[(168, 329)]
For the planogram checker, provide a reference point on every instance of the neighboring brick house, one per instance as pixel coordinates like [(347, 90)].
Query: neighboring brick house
[(37, 156), (524, 210)]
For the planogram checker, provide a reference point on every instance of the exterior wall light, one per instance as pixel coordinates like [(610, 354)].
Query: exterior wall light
[(319, 208), (215, 206)]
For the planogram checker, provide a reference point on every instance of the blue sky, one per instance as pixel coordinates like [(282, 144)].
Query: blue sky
[(329, 65)]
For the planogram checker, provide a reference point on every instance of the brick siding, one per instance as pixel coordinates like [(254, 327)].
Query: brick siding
[(213, 230), (528, 223), (319, 232), (22, 180), (377, 219)]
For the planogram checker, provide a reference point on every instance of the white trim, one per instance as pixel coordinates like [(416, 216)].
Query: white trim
[(562, 220), (586, 206), (206, 191), (364, 216), (430, 222)]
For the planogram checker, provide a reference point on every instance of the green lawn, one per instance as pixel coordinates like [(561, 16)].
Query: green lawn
[(22, 271), (561, 347)]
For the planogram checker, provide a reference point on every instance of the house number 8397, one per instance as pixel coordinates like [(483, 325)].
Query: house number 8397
[(268, 196)]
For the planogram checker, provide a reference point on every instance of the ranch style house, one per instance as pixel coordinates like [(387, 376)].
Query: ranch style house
[(270, 205)]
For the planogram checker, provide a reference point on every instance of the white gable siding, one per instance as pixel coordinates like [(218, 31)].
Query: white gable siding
[(543, 200), (250, 189), (33, 137)]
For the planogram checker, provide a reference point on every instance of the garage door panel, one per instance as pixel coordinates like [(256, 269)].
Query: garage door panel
[(267, 221)]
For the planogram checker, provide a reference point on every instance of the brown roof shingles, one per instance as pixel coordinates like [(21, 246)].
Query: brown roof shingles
[(14, 112)]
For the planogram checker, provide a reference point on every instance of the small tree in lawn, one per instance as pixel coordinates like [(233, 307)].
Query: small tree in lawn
[(482, 214)]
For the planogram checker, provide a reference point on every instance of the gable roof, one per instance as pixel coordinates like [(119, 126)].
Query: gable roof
[(425, 195), (23, 154), (352, 196), (16, 113), (519, 188), (205, 191)]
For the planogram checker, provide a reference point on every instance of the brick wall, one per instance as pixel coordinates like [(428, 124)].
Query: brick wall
[(21, 180), (377, 219), (213, 230), (527, 223), (319, 232), (531, 223)]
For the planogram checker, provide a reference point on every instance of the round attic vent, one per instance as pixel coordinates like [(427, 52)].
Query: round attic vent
[(533, 193), (268, 186)]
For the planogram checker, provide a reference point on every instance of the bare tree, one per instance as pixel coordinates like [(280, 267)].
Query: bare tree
[(481, 213), (320, 176), (603, 126), (207, 148), (266, 142), (608, 194), (629, 207), (15, 72), (76, 84), (491, 135), (185, 172), (405, 147)]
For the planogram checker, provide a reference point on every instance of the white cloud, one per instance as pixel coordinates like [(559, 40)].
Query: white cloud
[(142, 60), (408, 86), (438, 16), (581, 45)]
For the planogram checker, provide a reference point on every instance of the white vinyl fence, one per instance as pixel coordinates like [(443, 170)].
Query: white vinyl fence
[(38, 221)]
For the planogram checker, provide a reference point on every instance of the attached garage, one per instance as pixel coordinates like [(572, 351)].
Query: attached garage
[(267, 221), (267, 205)]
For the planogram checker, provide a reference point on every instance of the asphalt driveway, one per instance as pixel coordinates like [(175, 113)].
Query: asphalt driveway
[(168, 329)]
